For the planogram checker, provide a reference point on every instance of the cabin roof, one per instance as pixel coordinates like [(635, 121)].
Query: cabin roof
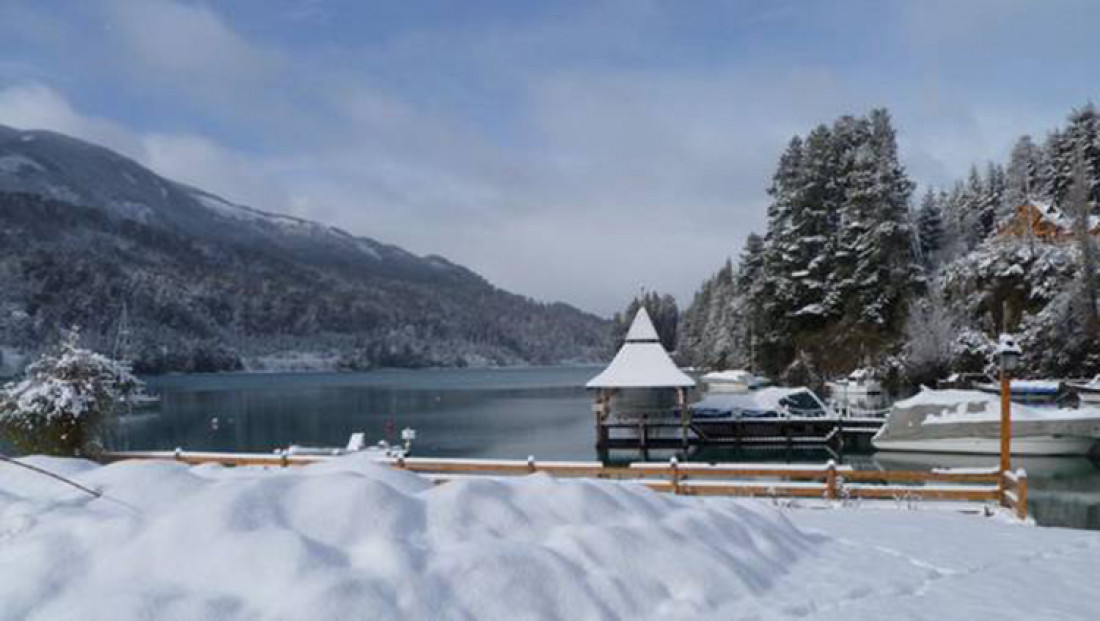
[(641, 362)]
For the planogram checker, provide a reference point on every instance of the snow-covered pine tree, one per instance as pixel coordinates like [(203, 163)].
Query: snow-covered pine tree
[(65, 400), (930, 228), (875, 230), (1022, 181), (971, 210), (776, 288), (1059, 169), (747, 283), (1079, 205), (991, 206)]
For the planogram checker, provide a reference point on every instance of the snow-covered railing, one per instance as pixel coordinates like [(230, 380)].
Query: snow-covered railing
[(1014, 492), (281, 459), (829, 481)]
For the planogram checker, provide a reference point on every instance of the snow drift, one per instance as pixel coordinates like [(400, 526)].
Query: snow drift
[(349, 539)]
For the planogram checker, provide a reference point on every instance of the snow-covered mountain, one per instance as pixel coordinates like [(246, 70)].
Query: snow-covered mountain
[(210, 284)]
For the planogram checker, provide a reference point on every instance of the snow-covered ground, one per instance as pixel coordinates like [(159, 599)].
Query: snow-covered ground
[(349, 539)]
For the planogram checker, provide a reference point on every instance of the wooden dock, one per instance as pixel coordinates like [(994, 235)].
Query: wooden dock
[(827, 482), (643, 434)]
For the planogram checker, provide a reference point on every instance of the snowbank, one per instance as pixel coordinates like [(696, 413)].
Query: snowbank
[(349, 539)]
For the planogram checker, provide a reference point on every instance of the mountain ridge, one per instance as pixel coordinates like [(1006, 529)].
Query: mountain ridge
[(269, 283)]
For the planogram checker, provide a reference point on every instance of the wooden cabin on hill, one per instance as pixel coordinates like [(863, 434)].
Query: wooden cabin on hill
[(1043, 222)]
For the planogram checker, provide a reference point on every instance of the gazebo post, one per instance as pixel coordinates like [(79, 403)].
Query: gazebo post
[(681, 405), (602, 399)]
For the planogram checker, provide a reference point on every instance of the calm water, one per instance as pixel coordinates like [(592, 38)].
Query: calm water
[(501, 413)]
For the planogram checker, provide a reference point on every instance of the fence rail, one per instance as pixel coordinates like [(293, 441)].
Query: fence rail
[(828, 481)]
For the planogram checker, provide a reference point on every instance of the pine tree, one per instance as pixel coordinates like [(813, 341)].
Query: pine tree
[(876, 230), (991, 206), (1079, 205), (970, 210), (66, 399), (1022, 182), (930, 227)]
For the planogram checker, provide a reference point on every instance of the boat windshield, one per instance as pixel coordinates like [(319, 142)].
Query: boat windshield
[(802, 404)]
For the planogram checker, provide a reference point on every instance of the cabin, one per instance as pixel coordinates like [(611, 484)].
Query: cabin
[(1043, 222), (641, 383)]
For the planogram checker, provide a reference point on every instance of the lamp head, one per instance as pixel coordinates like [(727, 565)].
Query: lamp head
[(1008, 353)]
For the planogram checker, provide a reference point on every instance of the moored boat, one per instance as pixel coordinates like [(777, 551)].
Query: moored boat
[(772, 402), (860, 395), (967, 421), (859, 383), (357, 444), (737, 380), (1088, 392), (1028, 392)]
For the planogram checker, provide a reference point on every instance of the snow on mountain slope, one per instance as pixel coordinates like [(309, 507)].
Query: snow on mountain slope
[(64, 168), (210, 284)]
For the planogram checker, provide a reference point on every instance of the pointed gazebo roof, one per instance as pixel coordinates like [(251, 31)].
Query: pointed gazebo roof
[(642, 362)]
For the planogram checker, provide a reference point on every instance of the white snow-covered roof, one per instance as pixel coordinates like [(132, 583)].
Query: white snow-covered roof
[(641, 362), (1059, 218), (642, 328)]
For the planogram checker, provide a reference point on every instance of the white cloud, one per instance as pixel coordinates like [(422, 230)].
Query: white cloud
[(539, 152), (187, 158), (187, 44), (36, 106), (205, 164)]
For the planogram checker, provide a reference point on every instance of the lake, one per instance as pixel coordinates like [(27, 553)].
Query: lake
[(499, 413)]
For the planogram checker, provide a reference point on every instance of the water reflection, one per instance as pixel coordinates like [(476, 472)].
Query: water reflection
[(510, 413)]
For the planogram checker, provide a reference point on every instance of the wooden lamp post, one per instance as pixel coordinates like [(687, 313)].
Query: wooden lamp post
[(1008, 357)]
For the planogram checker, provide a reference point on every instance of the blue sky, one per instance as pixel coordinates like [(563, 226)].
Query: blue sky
[(574, 151)]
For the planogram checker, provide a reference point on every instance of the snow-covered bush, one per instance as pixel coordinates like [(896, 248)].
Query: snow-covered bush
[(931, 331), (64, 401)]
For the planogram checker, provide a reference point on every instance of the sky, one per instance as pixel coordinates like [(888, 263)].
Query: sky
[(575, 151)]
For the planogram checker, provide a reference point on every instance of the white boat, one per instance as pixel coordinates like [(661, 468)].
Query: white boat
[(143, 400), (1028, 392), (357, 444), (1088, 392), (736, 380), (771, 402), (859, 384), (968, 421), (860, 395)]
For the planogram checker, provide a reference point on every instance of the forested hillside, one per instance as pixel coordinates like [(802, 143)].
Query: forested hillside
[(854, 270), (88, 236)]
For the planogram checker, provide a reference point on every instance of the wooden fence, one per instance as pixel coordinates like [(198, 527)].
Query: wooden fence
[(826, 481)]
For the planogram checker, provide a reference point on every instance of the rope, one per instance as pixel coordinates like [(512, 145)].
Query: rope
[(58, 477)]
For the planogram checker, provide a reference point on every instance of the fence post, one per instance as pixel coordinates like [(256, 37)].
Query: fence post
[(1002, 485), (674, 464), (830, 481), (1021, 494), (531, 463)]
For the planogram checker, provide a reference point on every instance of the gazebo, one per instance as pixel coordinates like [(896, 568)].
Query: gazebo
[(641, 384)]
